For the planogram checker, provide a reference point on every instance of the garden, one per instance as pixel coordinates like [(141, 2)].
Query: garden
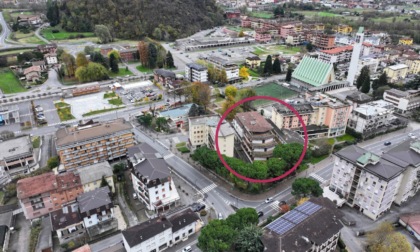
[(64, 111), (56, 33), (9, 83)]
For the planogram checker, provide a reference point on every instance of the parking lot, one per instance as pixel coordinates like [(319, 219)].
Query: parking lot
[(49, 110), (133, 95)]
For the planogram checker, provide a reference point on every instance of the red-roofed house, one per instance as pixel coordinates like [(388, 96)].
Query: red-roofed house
[(336, 55), (32, 73), (42, 194), (255, 135), (412, 223)]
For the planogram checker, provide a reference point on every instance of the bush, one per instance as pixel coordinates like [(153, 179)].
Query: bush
[(341, 244), (53, 162), (55, 31), (203, 213)]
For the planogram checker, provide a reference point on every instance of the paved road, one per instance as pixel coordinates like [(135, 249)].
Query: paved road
[(37, 33), (4, 33)]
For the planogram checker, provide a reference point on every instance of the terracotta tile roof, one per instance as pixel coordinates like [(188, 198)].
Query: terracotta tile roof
[(412, 220), (32, 69), (68, 180), (253, 121), (338, 49), (43, 183), (84, 248)]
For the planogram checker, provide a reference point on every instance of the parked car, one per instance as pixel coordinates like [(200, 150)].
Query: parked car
[(134, 195), (220, 216), (260, 213), (268, 200), (187, 249), (38, 108), (348, 221), (387, 143), (197, 207)]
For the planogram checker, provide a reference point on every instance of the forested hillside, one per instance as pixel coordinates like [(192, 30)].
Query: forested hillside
[(133, 19)]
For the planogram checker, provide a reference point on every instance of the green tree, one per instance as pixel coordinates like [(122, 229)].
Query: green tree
[(290, 152), (115, 53), (196, 110), (216, 236), (161, 124), (81, 60), (276, 66), (303, 187), (289, 74), (157, 33), (89, 50), (309, 47), (223, 77), (249, 239), (246, 93), (69, 63), (99, 58), (152, 55), (241, 34), (92, 72), (276, 166), (113, 63), (231, 91), (268, 66), (201, 94), (145, 119), (242, 218), (53, 13), (385, 239), (102, 32), (363, 78), (53, 162), (379, 92), (381, 82), (414, 84), (169, 60), (228, 103)]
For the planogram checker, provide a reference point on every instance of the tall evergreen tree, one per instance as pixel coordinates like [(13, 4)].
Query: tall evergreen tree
[(152, 55), (289, 74), (268, 67), (364, 74), (381, 82), (53, 13), (276, 66), (169, 60), (113, 63), (144, 53)]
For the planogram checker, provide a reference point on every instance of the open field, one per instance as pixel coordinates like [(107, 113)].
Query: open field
[(27, 38), (262, 50), (273, 90), (15, 51), (262, 14), (62, 35), (316, 13), (9, 84)]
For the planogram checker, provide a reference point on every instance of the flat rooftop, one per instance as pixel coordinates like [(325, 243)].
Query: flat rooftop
[(15, 147)]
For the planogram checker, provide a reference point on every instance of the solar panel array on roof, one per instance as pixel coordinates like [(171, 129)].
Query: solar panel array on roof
[(293, 218), (308, 208)]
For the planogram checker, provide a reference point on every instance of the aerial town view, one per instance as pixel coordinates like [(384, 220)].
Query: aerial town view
[(210, 125)]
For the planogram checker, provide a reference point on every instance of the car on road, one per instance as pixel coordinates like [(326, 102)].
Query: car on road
[(268, 200), (134, 195), (187, 249), (220, 216), (260, 213), (411, 135), (387, 143), (197, 207)]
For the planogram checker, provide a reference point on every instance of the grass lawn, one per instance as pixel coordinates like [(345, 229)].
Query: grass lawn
[(253, 73), (1, 197), (109, 95), (316, 13), (61, 35), (69, 81), (143, 69), (315, 160), (27, 38), (121, 72), (345, 137), (274, 90), (275, 49), (116, 102), (262, 14), (15, 52), (36, 141), (64, 111), (181, 144), (183, 149), (219, 99), (9, 84), (95, 112)]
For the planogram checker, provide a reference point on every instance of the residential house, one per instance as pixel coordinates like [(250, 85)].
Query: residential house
[(95, 142), (232, 70), (412, 223), (32, 73), (177, 117), (129, 54), (41, 64), (51, 58), (67, 223), (17, 155), (285, 30), (196, 73), (96, 210), (48, 48), (162, 232), (313, 226), (403, 100), (336, 55), (343, 29), (262, 36), (151, 178), (397, 72), (253, 62), (295, 38), (91, 176), (42, 194), (405, 41), (202, 132), (315, 75), (413, 64), (255, 135), (164, 77)]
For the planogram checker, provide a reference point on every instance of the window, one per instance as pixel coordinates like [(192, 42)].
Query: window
[(163, 189), (190, 231)]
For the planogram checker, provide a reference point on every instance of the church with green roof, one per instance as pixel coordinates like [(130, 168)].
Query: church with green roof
[(313, 74)]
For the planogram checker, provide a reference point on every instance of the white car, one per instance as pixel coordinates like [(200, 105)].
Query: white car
[(220, 216), (268, 200), (187, 249)]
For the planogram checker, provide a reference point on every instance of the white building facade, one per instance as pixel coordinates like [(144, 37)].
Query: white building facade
[(196, 73)]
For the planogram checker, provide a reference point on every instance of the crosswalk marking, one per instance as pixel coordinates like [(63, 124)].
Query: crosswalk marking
[(317, 177), (208, 188), (168, 156), (275, 205)]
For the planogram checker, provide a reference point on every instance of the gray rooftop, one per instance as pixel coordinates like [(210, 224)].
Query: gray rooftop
[(212, 121), (94, 199), (153, 166), (15, 147), (196, 66), (146, 230), (94, 172), (404, 154), (383, 168)]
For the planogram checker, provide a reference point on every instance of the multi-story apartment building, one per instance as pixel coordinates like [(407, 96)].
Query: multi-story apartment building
[(324, 116), (371, 116), (262, 36), (196, 73), (313, 226), (161, 233), (91, 176), (202, 132), (371, 183), (413, 63), (295, 38), (396, 72), (96, 142), (336, 55), (403, 100), (47, 192), (285, 30), (255, 135), (324, 41), (164, 77), (9, 114), (151, 178), (17, 155), (232, 70), (343, 29), (253, 61)]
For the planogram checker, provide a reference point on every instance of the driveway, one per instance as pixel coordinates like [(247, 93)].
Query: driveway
[(19, 239)]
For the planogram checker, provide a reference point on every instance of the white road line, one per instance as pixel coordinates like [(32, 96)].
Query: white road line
[(168, 156), (208, 188), (275, 205)]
